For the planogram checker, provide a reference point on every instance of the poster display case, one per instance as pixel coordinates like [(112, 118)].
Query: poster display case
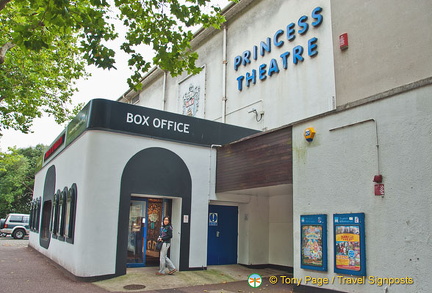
[(314, 242), (349, 244)]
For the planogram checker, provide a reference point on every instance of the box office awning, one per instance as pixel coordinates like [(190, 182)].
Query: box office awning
[(100, 114)]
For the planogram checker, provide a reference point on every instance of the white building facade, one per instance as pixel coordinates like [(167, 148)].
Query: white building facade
[(359, 74)]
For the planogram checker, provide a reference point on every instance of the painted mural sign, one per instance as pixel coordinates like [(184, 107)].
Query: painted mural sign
[(314, 242), (349, 249), (281, 37)]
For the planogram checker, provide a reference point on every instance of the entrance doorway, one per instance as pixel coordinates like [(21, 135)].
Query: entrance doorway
[(222, 235), (145, 219)]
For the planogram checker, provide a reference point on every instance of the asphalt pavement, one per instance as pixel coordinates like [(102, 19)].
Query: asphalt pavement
[(23, 269)]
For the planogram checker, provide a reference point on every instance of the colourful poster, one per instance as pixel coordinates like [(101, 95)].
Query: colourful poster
[(314, 242), (349, 244), (312, 245), (348, 248)]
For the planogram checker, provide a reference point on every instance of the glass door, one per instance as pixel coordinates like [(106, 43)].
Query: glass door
[(154, 212), (145, 219), (137, 231)]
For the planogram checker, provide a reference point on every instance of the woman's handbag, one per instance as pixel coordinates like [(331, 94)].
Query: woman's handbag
[(159, 245)]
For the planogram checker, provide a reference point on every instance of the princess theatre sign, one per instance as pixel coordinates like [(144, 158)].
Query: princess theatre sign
[(296, 54)]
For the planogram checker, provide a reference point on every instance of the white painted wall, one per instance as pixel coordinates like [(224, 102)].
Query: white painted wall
[(302, 90), (281, 230), (389, 45), (334, 173), (95, 162), (265, 225)]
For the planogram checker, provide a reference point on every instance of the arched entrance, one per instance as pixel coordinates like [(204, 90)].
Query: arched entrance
[(155, 171)]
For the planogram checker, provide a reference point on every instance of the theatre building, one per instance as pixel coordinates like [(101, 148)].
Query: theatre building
[(303, 144)]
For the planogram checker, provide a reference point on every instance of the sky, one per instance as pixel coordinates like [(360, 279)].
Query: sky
[(102, 84)]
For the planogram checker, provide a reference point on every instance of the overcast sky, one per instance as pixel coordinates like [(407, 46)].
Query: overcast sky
[(102, 84)]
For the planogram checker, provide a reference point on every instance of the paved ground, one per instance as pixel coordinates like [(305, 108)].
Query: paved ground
[(22, 269)]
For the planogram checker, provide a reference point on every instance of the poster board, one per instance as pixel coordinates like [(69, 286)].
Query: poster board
[(349, 244), (313, 242)]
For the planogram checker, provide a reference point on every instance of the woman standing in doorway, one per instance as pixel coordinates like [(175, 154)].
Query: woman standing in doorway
[(165, 236)]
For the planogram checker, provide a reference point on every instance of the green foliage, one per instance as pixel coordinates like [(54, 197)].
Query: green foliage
[(46, 42), (17, 170)]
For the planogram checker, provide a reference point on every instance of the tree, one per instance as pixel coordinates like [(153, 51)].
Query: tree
[(17, 171), (44, 45)]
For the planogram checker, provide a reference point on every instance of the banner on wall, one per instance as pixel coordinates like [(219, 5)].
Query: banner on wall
[(349, 244), (314, 242)]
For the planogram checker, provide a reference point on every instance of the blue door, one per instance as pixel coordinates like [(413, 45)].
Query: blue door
[(222, 235)]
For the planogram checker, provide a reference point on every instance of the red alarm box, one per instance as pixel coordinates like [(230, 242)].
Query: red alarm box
[(379, 189), (343, 41)]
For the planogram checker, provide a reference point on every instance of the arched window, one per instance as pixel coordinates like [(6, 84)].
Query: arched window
[(55, 214), (38, 213), (70, 214), (46, 213), (32, 215), (61, 213)]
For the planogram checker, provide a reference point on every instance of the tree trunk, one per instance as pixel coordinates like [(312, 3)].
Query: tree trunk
[(4, 50), (3, 4)]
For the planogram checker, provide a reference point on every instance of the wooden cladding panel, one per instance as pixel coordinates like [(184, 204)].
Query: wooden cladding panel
[(263, 160)]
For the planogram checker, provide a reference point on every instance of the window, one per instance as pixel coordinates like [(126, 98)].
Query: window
[(70, 213), (32, 215), (46, 214), (61, 213), (55, 214), (67, 216), (15, 219), (38, 212)]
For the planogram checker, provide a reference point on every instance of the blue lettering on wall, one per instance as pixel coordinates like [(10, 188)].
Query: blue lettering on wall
[(237, 62), (246, 56), (312, 47), (265, 46), (276, 40), (262, 71), (284, 58), (302, 22), (297, 53), (291, 31), (250, 77), (316, 14), (274, 68)]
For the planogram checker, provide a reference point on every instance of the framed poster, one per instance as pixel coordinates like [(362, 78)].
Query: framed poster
[(349, 244), (313, 242)]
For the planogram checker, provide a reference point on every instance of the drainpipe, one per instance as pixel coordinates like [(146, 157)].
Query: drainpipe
[(210, 169), (224, 73), (164, 91)]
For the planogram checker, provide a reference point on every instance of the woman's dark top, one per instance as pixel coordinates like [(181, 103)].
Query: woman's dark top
[(166, 233)]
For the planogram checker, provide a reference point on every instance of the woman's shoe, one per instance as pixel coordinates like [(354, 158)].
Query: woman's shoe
[(172, 272), (159, 274)]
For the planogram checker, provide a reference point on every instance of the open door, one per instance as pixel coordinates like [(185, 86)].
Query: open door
[(145, 218)]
